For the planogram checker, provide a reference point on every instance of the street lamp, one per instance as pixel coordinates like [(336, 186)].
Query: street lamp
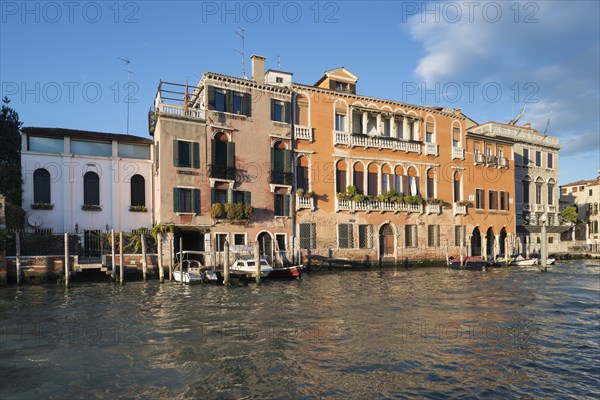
[(544, 249)]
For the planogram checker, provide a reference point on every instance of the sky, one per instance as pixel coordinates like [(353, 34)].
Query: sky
[(60, 61)]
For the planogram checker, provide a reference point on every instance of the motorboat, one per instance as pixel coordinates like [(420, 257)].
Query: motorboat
[(291, 272), (246, 266), (190, 270)]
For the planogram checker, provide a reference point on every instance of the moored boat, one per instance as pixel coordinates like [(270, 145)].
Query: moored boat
[(291, 272), (524, 262), (246, 266)]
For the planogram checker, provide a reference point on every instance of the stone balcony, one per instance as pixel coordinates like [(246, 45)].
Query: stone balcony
[(459, 209), (431, 149), (376, 205), (378, 142), (458, 152), (303, 132), (433, 209), (305, 203)]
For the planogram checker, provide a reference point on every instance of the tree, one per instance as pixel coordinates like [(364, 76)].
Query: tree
[(569, 214), (10, 154)]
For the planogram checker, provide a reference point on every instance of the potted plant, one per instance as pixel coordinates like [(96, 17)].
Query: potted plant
[(42, 206), (138, 208), (217, 211), (300, 192), (91, 207)]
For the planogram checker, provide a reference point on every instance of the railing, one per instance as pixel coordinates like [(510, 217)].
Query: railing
[(376, 205), (458, 152), (540, 208), (552, 208), (431, 149), (376, 142), (302, 132), (517, 132), (503, 162), (527, 207), (222, 172), (479, 158), (304, 202), (281, 178), (433, 209), (178, 110), (491, 160), (460, 210)]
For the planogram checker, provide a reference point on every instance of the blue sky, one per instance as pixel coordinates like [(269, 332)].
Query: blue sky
[(59, 60)]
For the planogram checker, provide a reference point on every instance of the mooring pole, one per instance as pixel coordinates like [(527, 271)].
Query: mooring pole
[(257, 262), (226, 265), (447, 257), (544, 249), (171, 255), (462, 260), (112, 251), (121, 258), (159, 248), (66, 260), (18, 256), (144, 262), (181, 260)]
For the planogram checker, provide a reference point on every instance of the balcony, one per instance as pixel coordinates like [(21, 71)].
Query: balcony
[(281, 178), (539, 207), (302, 132), (491, 160), (379, 142), (503, 162), (222, 172), (458, 152), (552, 208), (460, 209), (173, 109), (479, 158), (431, 149), (376, 205), (433, 209), (304, 202), (527, 207)]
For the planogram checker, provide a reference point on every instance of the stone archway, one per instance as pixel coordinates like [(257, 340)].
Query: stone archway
[(489, 243), (386, 240), (502, 244), (476, 242), (265, 245)]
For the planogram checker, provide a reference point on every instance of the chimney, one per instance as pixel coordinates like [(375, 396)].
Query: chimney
[(258, 68)]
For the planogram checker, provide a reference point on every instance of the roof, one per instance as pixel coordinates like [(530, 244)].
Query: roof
[(581, 182), (75, 133)]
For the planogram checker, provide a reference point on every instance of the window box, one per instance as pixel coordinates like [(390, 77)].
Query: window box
[(138, 208), (91, 207), (42, 206)]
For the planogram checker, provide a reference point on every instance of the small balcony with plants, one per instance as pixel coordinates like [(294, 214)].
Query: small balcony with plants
[(433, 206), (138, 208), (460, 207), (91, 207), (233, 213), (392, 201)]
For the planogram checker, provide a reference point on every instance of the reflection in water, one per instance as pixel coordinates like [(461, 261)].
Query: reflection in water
[(392, 333)]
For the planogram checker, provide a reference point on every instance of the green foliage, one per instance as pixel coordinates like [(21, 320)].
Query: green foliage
[(300, 192), (158, 228), (133, 242), (138, 208), (10, 154), (15, 216), (351, 190), (91, 207), (434, 201), (217, 211), (248, 211), (42, 206), (358, 197), (569, 214), (416, 199), (234, 211)]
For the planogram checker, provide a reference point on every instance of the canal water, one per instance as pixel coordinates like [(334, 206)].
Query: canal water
[(427, 333)]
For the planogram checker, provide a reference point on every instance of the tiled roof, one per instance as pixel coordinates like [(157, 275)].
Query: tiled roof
[(78, 134), (582, 182)]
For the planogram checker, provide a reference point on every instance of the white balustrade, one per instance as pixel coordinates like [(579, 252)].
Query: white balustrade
[(431, 149), (304, 202), (458, 152), (460, 210), (302, 132), (376, 142), (376, 205)]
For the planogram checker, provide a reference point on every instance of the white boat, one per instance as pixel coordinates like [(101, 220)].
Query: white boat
[(243, 266), (192, 271), (524, 262)]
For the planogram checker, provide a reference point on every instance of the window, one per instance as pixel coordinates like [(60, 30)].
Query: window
[(372, 180), (345, 239), (430, 185), (186, 154), (241, 197), (550, 194), (433, 235), (280, 111), (340, 122), (410, 236), (504, 201), (308, 235), (365, 236), (358, 179), (41, 186), (222, 158), (340, 177), (357, 119), (493, 199), (538, 158), (282, 205), (526, 192), (239, 239), (220, 239), (186, 200), (218, 196), (564, 191), (45, 144), (280, 240), (138, 190), (279, 79), (89, 148), (238, 100), (590, 192), (340, 86), (457, 192), (455, 137), (141, 152), (525, 156), (281, 165), (229, 101), (500, 152), (219, 102), (538, 193), (459, 235), (550, 160), (479, 198), (91, 188), (429, 132)]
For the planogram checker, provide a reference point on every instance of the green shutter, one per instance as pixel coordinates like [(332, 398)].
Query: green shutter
[(288, 112), (175, 199), (286, 205), (196, 201), (287, 161), (272, 110), (213, 196), (230, 195), (156, 154), (211, 97), (230, 155), (196, 155), (229, 101), (273, 167), (247, 197), (247, 104), (175, 153)]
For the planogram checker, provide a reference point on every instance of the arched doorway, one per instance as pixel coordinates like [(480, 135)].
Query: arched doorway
[(489, 242), (265, 245), (476, 242), (386, 241), (503, 248)]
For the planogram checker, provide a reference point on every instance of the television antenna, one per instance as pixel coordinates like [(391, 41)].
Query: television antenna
[(129, 72), (278, 62), (240, 33)]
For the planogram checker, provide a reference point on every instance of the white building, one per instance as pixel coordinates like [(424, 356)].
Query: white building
[(585, 195), (81, 181)]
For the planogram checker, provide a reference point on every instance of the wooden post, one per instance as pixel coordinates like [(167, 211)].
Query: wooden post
[(447, 257), (226, 265), (171, 255), (66, 260), (462, 260), (121, 258), (114, 263), (544, 249), (161, 273), (144, 261), (257, 262), (18, 256), (181, 260)]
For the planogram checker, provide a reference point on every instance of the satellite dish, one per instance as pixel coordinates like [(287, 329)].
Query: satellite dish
[(35, 220)]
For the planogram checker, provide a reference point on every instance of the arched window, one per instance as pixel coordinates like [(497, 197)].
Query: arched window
[(399, 179), (386, 178), (340, 177), (223, 158), (302, 175), (41, 186), (91, 188), (430, 184), (138, 190), (413, 179), (281, 167), (457, 191), (372, 173), (358, 177)]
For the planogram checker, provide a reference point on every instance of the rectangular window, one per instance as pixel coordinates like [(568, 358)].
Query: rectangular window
[(357, 123), (460, 235), (365, 236), (282, 205), (551, 194), (340, 122), (220, 100), (433, 235), (345, 239), (479, 198), (564, 191), (239, 239), (456, 137), (140, 152), (186, 154), (429, 132), (238, 100), (538, 194), (500, 152), (229, 101), (186, 200), (220, 239), (280, 240), (280, 111), (340, 86), (410, 236), (45, 144), (308, 236), (526, 192), (493, 199), (525, 156), (89, 148), (550, 160), (240, 197), (538, 158), (504, 201), (218, 196)]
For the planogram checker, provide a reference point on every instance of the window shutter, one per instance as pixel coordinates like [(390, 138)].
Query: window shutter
[(287, 161), (156, 154), (288, 112), (247, 197), (247, 104), (272, 110), (213, 152), (213, 196), (211, 97), (229, 101), (196, 201), (230, 155), (175, 199), (286, 205), (175, 153), (196, 155), (273, 167)]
